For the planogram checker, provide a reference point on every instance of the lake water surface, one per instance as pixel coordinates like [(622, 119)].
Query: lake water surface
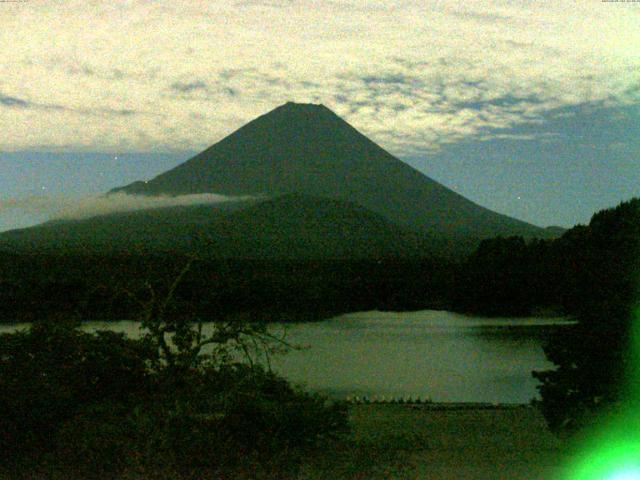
[(436, 354)]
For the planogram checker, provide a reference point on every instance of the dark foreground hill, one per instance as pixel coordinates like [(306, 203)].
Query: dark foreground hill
[(308, 149), (291, 227)]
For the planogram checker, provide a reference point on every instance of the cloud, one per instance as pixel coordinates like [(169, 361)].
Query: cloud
[(545, 137), (119, 202), (412, 75), (101, 111), (185, 87), (264, 3), (481, 17), (31, 203), (204, 91), (13, 101), (60, 207)]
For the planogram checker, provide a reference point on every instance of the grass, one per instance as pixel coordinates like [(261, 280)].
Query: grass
[(426, 442), (405, 442)]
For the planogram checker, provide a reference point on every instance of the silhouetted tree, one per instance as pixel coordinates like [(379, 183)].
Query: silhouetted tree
[(600, 265), (51, 372), (97, 405), (505, 276)]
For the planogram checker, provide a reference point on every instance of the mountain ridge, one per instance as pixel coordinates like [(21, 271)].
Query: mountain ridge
[(307, 148), (293, 227)]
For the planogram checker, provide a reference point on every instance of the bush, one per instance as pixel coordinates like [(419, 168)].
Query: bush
[(51, 372), (237, 417), (101, 405), (601, 265)]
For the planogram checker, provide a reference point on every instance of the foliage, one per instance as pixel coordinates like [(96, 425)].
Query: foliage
[(85, 285), (49, 373), (178, 403), (505, 276), (591, 273), (225, 421), (601, 266)]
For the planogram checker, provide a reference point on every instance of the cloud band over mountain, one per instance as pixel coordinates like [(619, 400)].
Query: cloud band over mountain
[(59, 207)]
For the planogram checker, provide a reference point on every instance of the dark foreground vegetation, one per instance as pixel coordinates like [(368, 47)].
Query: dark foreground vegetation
[(104, 287), (567, 275), (80, 405), (591, 273), (596, 372)]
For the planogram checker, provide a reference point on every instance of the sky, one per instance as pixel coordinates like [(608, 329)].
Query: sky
[(529, 108)]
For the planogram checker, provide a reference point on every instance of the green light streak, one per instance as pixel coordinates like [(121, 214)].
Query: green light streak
[(627, 474), (611, 451), (611, 456), (633, 386)]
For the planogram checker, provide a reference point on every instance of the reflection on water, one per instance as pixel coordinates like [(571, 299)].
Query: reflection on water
[(445, 356), (442, 355)]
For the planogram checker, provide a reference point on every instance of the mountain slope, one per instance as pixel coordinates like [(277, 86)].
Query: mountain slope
[(304, 148), (296, 227)]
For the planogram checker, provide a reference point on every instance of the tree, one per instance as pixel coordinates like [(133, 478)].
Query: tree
[(505, 276), (181, 401), (176, 333), (601, 268), (51, 372)]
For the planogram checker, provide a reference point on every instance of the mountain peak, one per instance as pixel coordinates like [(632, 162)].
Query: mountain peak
[(308, 110), (295, 105), (307, 148)]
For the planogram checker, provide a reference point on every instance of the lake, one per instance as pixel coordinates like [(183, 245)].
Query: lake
[(436, 354)]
